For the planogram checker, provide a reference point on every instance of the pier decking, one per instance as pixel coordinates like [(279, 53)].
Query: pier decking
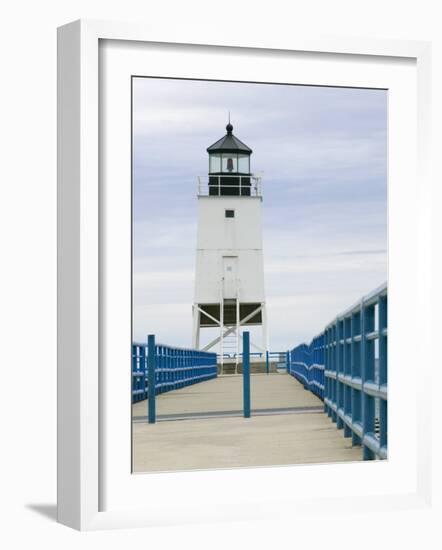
[(201, 426)]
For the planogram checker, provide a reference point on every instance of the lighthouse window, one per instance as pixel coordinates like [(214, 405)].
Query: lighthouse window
[(230, 213), (244, 164), (215, 163), (230, 163)]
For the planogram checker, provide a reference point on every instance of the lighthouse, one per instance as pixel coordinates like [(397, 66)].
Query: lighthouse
[(229, 279)]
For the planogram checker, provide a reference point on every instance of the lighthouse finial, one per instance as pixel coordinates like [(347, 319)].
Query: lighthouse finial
[(229, 127)]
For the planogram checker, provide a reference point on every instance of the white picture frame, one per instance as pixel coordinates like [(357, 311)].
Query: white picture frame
[(80, 437)]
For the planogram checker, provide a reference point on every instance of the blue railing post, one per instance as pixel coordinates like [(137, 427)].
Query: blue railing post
[(347, 374), (151, 359), (383, 378), (142, 366), (355, 374), (246, 373), (267, 362), (338, 403), (366, 376), (326, 378)]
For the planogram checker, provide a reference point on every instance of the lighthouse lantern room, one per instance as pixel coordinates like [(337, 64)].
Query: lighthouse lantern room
[(229, 281)]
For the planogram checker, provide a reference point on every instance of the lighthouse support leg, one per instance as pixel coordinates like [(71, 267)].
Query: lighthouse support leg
[(196, 327), (265, 335), (237, 332)]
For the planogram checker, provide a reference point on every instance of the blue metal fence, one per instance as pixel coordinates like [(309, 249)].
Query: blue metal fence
[(346, 366), (173, 368), (306, 364)]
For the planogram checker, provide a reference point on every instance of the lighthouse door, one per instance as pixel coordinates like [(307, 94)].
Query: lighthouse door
[(230, 274)]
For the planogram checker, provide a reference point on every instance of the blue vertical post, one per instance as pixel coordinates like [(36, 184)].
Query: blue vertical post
[(151, 378), (346, 367), (246, 373), (326, 368), (367, 406), (134, 369), (267, 362), (383, 380), (339, 384), (355, 374), (334, 382), (142, 366)]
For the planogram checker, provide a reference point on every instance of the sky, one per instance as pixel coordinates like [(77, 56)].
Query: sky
[(323, 155)]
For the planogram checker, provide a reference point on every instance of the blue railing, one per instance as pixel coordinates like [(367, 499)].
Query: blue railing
[(306, 364), (174, 368), (346, 366)]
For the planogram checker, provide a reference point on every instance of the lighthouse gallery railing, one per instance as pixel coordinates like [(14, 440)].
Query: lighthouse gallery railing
[(220, 184), (346, 366)]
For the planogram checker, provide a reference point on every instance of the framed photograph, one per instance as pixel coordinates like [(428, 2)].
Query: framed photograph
[(241, 261)]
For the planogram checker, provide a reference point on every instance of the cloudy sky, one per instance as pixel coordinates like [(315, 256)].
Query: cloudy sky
[(323, 154)]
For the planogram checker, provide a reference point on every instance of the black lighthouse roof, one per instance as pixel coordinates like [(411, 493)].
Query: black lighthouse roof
[(229, 144)]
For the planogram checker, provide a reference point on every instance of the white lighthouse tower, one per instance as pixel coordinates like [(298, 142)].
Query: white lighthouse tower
[(229, 282)]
